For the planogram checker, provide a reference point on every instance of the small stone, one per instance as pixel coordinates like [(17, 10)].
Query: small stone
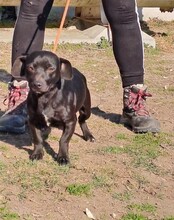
[(89, 214), (113, 215)]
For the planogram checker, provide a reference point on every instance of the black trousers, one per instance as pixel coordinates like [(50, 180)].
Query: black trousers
[(126, 34)]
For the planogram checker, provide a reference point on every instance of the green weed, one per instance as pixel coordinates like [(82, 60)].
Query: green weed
[(22, 195), (7, 24), (79, 189), (114, 150), (71, 47), (140, 180), (53, 138), (143, 207), (3, 86), (121, 136), (125, 196), (150, 51), (64, 46), (103, 43), (3, 148), (2, 166), (100, 181), (34, 175), (144, 148), (132, 216), (6, 214), (170, 89)]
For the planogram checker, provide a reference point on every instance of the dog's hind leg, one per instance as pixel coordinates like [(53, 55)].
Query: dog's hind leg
[(85, 112)]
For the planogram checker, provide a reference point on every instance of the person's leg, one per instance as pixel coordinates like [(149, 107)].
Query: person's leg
[(128, 52), (28, 37), (30, 27)]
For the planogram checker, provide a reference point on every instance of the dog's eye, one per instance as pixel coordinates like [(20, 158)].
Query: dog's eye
[(30, 68), (50, 69)]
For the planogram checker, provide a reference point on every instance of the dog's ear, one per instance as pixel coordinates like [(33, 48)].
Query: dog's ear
[(17, 70), (66, 69)]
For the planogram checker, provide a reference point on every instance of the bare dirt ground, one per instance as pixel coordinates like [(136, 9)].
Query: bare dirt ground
[(122, 175)]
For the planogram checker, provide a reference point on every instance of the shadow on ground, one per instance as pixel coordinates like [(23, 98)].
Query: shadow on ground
[(23, 142), (4, 76), (112, 117)]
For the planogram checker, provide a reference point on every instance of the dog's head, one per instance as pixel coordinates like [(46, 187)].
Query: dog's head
[(43, 69)]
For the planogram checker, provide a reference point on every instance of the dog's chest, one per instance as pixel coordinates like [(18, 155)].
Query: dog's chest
[(47, 118), (49, 114), (53, 111)]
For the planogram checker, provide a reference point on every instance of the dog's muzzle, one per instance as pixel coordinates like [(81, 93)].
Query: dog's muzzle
[(38, 87)]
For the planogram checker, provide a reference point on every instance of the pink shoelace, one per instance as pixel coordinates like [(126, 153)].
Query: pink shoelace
[(16, 96), (137, 102)]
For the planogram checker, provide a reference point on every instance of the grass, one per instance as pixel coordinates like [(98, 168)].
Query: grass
[(125, 196), (141, 211), (22, 195), (103, 43), (100, 181), (3, 148), (121, 136), (114, 150), (31, 176), (7, 24), (135, 216), (143, 207), (150, 51), (2, 166), (79, 189), (170, 89), (132, 216), (52, 137), (6, 214), (141, 180), (3, 86), (143, 148)]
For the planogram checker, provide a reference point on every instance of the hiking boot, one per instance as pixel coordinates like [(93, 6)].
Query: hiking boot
[(14, 119), (135, 112)]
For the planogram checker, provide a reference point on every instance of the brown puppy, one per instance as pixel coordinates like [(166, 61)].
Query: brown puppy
[(57, 92)]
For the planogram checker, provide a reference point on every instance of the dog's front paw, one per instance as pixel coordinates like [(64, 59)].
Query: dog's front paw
[(62, 160), (37, 155), (89, 137)]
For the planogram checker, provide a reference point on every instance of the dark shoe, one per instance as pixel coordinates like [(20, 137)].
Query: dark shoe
[(135, 112), (14, 119)]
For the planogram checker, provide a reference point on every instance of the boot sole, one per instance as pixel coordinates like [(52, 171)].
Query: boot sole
[(145, 130), (152, 129)]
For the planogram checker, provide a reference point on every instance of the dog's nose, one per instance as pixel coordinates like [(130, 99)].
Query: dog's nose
[(37, 84)]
